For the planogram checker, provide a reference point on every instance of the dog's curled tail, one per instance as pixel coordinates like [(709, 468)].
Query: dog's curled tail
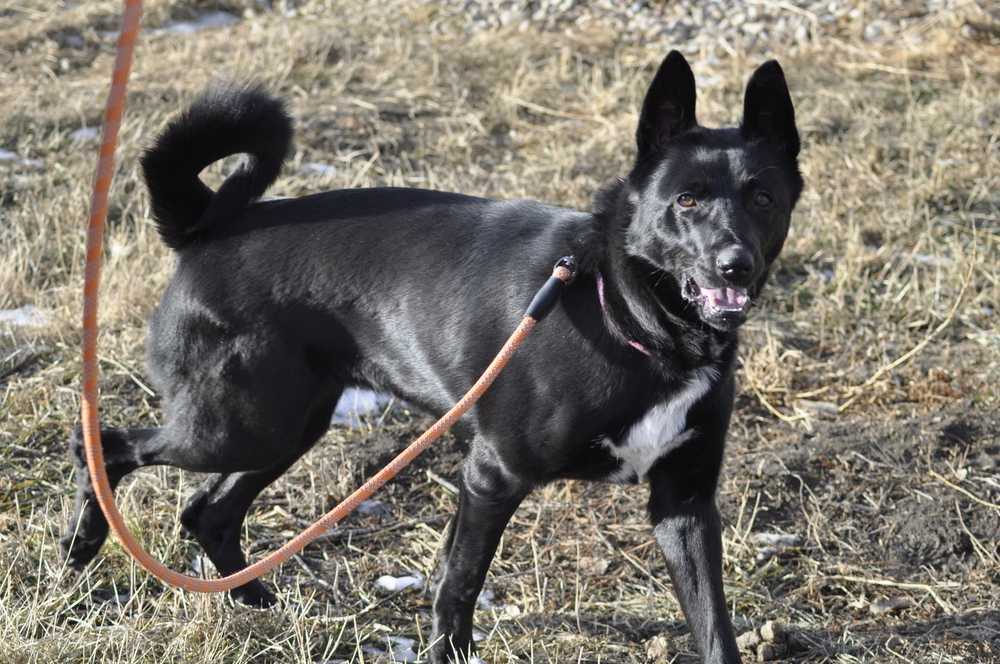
[(223, 121)]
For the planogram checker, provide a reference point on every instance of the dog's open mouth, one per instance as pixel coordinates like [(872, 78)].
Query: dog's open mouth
[(716, 302)]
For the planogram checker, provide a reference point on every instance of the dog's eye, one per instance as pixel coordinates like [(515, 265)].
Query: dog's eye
[(762, 199), (686, 200)]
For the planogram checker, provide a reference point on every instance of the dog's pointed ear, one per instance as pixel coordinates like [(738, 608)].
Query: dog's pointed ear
[(767, 109), (668, 109)]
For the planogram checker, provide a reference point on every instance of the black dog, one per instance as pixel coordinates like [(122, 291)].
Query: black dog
[(276, 306)]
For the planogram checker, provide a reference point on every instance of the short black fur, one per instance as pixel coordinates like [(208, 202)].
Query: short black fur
[(277, 306)]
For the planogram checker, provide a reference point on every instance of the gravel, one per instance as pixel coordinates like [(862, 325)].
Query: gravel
[(720, 26)]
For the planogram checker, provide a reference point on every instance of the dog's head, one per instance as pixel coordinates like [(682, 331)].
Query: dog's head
[(710, 208)]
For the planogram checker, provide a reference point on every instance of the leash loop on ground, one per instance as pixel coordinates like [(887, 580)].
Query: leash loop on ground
[(543, 302)]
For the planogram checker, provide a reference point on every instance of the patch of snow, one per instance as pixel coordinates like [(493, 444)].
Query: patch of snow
[(395, 584), (933, 261), (776, 539), (374, 507), (477, 660), (318, 168), (7, 155), (356, 402), (773, 544), (399, 649), (200, 566), (84, 134), (402, 649), (26, 316), (207, 21), (485, 599)]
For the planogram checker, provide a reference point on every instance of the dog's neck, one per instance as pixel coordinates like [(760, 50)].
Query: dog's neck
[(639, 311)]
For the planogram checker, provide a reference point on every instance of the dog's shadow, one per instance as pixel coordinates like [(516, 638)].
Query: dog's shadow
[(973, 635)]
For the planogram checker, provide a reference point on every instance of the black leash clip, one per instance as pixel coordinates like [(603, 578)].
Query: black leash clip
[(545, 299)]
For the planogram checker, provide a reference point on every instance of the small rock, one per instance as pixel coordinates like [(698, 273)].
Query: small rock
[(594, 566), (748, 640), (658, 649), (773, 632), (768, 652), (875, 30)]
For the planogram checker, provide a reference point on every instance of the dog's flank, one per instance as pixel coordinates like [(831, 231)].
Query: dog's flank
[(277, 306), (224, 121)]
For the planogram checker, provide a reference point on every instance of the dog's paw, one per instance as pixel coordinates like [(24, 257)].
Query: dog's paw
[(441, 652), (767, 643), (254, 594), (78, 550)]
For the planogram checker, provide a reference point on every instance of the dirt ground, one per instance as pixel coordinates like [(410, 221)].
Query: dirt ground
[(861, 492)]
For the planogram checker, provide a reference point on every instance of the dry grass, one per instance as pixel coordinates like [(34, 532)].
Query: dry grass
[(867, 420)]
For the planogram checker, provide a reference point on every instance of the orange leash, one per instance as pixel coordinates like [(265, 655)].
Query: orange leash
[(540, 306)]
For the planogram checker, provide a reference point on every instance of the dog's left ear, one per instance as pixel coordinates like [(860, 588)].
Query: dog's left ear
[(767, 109), (668, 109)]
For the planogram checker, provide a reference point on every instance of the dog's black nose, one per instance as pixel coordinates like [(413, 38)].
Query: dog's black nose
[(735, 264)]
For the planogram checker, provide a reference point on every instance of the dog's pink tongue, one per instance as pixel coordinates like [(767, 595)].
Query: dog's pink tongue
[(727, 298)]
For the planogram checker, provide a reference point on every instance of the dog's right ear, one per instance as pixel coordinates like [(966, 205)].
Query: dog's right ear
[(668, 109)]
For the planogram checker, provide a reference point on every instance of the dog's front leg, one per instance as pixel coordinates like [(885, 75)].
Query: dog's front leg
[(488, 496), (688, 530)]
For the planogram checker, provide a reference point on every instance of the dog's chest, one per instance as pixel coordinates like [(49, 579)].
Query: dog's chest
[(661, 429)]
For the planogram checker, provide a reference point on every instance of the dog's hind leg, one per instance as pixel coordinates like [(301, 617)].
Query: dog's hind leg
[(87, 528), (215, 513), (201, 439), (488, 497)]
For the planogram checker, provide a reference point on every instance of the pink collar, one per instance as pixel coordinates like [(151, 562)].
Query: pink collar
[(600, 297)]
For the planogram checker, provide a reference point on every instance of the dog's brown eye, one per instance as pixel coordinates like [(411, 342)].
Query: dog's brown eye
[(686, 200), (762, 199)]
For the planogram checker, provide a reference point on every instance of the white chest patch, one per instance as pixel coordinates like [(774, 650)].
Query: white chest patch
[(660, 430)]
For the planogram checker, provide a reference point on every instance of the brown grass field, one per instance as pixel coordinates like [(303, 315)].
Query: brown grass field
[(867, 430)]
